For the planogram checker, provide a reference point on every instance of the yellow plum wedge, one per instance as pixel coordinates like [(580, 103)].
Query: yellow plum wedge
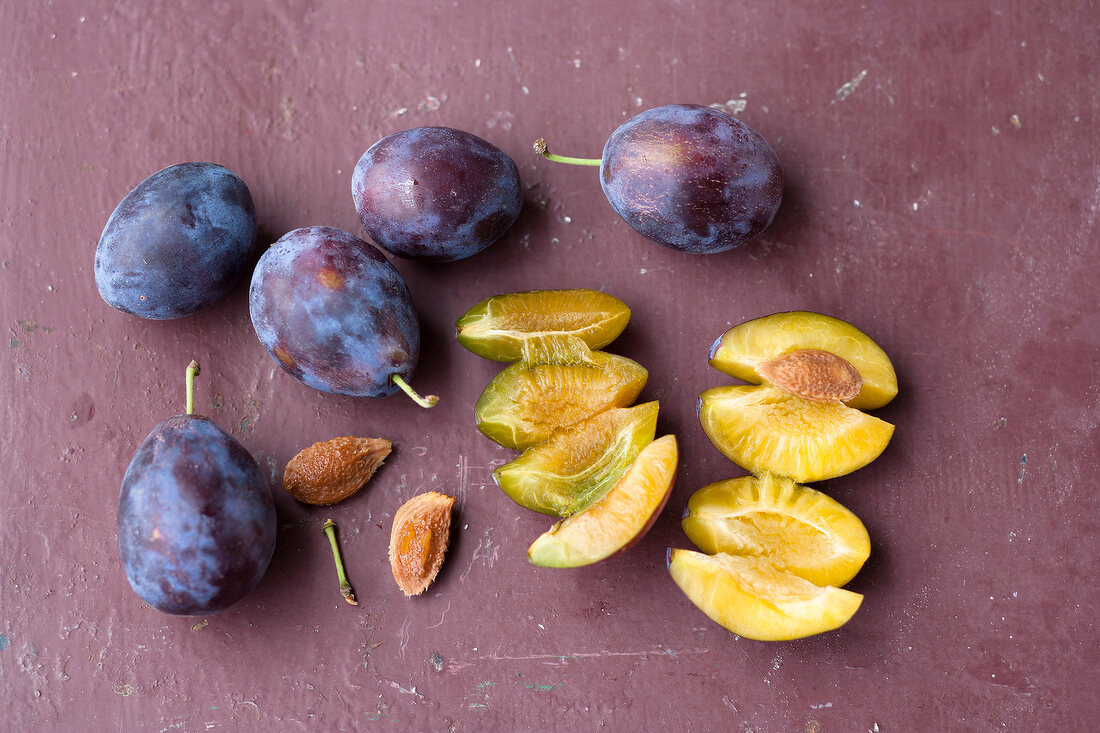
[(616, 521), (514, 326), (753, 599), (764, 429), (797, 529), (742, 350), (526, 403), (578, 464)]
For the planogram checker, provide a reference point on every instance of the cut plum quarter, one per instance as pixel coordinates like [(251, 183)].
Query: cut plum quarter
[(742, 350), (753, 599), (526, 403), (538, 324), (798, 529), (616, 521), (578, 464), (764, 429)]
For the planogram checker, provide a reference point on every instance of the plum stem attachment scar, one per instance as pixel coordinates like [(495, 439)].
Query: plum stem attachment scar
[(428, 401), (542, 149), (329, 528), (192, 372)]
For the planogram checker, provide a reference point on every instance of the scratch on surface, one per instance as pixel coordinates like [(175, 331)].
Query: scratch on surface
[(1023, 468), (485, 548), (751, 663), (515, 69), (73, 511), (849, 86), (971, 233), (404, 691), (403, 636), (443, 616), (561, 659)]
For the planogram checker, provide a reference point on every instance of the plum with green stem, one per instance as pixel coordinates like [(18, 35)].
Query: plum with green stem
[(336, 315), (688, 177), (196, 521)]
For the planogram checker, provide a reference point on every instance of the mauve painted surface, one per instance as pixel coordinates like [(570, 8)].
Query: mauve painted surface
[(942, 194)]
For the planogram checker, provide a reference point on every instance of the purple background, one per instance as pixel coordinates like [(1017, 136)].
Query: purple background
[(947, 205)]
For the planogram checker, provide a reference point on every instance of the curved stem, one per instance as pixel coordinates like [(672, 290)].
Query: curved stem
[(428, 401), (542, 149), (329, 528), (192, 372)]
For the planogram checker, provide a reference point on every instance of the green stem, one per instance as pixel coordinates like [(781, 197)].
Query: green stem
[(428, 401), (192, 372), (542, 149), (329, 528)]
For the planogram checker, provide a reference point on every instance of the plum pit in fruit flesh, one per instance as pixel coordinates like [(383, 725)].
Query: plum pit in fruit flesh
[(740, 350)]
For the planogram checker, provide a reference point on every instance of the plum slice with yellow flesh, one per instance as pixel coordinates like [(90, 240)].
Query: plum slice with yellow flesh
[(764, 429), (515, 326), (752, 598), (747, 349), (798, 529), (616, 521), (578, 464), (526, 403)]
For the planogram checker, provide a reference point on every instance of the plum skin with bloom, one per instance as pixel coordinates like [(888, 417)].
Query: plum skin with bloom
[(692, 178), (334, 313), (177, 243), (436, 193), (196, 520)]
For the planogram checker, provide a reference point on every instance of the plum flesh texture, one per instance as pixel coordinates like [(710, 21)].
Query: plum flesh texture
[(797, 529), (435, 193), (619, 519), (527, 403), (334, 313), (196, 521), (542, 325), (578, 464), (764, 429), (692, 178), (741, 350), (754, 599), (177, 243)]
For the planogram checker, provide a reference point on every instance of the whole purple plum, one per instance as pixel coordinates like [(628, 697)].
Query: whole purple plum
[(334, 313), (435, 193), (177, 243), (196, 521), (692, 178)]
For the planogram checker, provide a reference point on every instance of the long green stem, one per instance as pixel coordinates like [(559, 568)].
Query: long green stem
[(542, 149), (192, 372), (329, 529), (428, 401)]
